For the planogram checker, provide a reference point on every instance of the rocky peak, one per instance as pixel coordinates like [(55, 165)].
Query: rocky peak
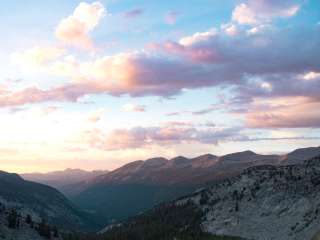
[(155, 162), (297, 155), (180, 161), (204, 161), (206, 157), (239, 156)]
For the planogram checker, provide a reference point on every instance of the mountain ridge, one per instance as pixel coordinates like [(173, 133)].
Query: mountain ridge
[(139, 186), (201, 161), (262, 202), (243, 156)]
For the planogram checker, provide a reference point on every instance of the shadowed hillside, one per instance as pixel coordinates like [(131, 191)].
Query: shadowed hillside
[(41, 201)]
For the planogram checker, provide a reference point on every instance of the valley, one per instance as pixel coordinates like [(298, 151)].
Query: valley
[(238, 195), (139, 185)]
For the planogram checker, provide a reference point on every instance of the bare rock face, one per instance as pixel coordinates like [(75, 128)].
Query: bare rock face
[(264, 202), (316, 236)]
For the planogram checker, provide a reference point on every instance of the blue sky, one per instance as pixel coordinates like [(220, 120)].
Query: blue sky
[(99, 84)]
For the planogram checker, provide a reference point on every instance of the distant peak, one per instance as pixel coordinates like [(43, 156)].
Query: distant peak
[(131, 164), (180, 161), (74, 169), (305, 150), (179, 158), (156, 159), (249, 152), (243, 153), (207, 156), (239, 156), (153, 162), (9, 176)]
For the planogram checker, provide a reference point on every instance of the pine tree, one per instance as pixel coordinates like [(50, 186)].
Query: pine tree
[(44, 229), (55, 232), (28, 219), (13, 219)]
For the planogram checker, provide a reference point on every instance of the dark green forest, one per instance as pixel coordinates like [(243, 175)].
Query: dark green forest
[(165, 222)]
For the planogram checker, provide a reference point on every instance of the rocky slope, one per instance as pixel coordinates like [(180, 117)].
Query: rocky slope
[(264, 203), (165, 222), (40, 201), (23, 230)]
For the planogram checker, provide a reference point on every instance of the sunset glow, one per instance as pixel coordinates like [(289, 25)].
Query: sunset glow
[(95, 85)]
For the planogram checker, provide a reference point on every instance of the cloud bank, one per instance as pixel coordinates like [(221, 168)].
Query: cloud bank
[(253, 59)]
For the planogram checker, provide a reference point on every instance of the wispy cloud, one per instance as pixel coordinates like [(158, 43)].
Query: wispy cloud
[(96, 115), (256, 12), (133, 13), (171, 17), (287, 112), (133, 108), (140, 137), (37, 56)]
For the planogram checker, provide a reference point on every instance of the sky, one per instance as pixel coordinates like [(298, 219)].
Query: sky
[(97, 84)]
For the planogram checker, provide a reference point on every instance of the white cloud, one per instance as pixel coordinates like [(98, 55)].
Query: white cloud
[(311, 75), (96, 115), (37, 56), (254, 12), (171, 17), (244, 15), (134, 108), (197, 37), (266, 85), (230, 29), (144, 137)]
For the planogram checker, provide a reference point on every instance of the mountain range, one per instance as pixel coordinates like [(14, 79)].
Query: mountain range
[(262, 203), (139, 185), (244, 194), (58, 179)]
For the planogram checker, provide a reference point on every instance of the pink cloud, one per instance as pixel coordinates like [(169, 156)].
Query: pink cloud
[(74, 30), (254, 12), (201, 60), (134, 108), (140, 137), (70, 92), (284, 113), (171, 17), (270, 64), (194, 53), (96, 115)]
